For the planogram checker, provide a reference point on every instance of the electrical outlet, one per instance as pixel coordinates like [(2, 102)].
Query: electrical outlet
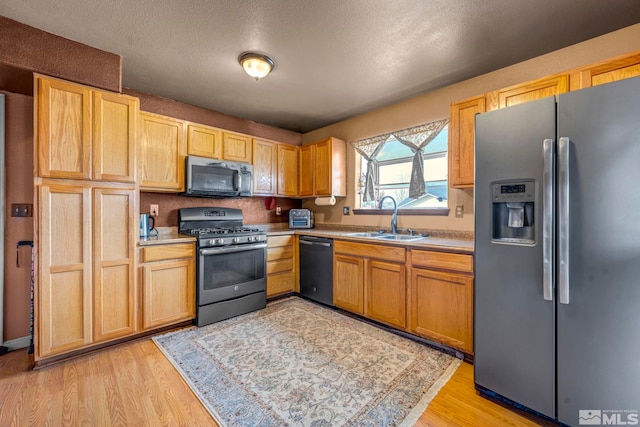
[(154, 210), (278, 210), (345, 210), (459, 211), (21, 210)]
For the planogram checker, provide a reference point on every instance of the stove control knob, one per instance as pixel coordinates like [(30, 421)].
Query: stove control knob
[(212, 242), (249, 238), (219, 241), (235, 240)]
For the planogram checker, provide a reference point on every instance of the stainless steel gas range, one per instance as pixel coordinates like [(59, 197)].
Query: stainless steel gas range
[(231, 263)]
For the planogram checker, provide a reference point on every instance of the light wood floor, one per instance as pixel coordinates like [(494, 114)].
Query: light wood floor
[(135, 385)]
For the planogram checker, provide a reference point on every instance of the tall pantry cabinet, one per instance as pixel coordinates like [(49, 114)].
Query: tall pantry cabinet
[(86, 211)]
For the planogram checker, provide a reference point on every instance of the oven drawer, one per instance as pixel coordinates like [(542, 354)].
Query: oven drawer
[(165, 252)]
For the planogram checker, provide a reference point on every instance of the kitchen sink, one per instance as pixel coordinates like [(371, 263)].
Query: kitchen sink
[(373, 234), (402, 237)]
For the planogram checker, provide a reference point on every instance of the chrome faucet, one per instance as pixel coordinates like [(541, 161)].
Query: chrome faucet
[(394, 217)]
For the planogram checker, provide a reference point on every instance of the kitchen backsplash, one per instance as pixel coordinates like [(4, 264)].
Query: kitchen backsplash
[(253, 208)]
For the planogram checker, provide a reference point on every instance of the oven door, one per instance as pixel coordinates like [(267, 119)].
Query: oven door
[(230, 272)]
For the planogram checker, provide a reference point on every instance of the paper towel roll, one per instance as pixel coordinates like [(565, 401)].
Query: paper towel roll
[(325, 201)]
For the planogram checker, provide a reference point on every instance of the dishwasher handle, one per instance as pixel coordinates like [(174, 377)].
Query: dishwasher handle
[(308, 242), (320, 241)]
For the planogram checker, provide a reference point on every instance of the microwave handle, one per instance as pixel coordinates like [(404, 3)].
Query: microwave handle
[(237, 181)]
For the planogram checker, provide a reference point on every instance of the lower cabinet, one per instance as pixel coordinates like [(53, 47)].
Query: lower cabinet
[(441, 295), (281, 262), (168, 284), (371, 280)]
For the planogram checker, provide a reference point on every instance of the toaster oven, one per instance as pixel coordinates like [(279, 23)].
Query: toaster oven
[(300, 218)]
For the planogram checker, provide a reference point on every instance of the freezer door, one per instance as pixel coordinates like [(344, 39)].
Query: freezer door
[(514, 323), (598, 327)]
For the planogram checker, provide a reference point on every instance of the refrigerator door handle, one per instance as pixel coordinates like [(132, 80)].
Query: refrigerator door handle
[(563, 219), (548, 202)]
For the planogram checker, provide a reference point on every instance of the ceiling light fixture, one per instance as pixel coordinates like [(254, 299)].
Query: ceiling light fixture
[(256, 65)]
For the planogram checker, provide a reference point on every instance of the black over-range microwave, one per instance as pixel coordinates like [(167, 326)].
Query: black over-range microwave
[(217, 178)]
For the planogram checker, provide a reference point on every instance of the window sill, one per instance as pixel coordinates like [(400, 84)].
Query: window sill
[(426, 211)]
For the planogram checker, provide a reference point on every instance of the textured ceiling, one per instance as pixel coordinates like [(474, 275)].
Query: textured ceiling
[(334, 58)]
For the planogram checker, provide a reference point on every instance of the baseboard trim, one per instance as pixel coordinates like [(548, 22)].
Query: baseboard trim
[(17, 343)]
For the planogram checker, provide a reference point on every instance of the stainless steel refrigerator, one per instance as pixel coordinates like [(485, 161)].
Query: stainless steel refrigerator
[(557, 254)]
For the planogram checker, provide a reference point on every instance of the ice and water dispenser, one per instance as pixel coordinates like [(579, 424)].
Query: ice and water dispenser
[(513, 211)]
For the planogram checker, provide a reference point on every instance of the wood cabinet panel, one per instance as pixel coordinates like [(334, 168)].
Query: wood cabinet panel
[(168, 292), (287, 170), (162, 145), (167, 252), (323, 168), (305, 167), (611, 70), (236, 147), (276, 253), (442, 260), (64, 129), (64, 264), (114, 284), (442, 307), (348, 282), (114, 137), (204, 141), (382, 252), (529, 91), (386, 293), (462, 141), (279, 266), (275, 241), (282, 283), (265, 167)]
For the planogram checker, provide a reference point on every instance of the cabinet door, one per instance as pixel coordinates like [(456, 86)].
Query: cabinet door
[(236, 147), (163, 151), (462, 140), (305, 171), (204, 141), (287, 170), (530, 91), (114, 137), (624, 67), (348, 283), (442, 307), (386, 293), (169, 293), (114, 287), (64, 130), (322, 168), (64, 288), (264, 167)]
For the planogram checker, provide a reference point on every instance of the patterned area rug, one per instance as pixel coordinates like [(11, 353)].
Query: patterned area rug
[(299, 364)]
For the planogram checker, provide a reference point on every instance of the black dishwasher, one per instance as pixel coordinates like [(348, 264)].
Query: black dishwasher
[(316, 269)]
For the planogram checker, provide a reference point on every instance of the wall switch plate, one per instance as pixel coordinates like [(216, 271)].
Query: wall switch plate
[(154, 210), (278, 210), (345, 210), (21, 209), (459, 211)]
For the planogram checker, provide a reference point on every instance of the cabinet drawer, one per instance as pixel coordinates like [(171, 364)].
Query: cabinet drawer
[(279, 266), (164, 252), (442, 260), (388, 253), (280, 283), (276, 241), (282, 252)]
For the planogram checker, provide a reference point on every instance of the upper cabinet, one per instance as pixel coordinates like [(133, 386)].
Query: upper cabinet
[(620, 68), (322, 169), (265, 167), (236, 147), (162, 150), (204, 141), (85, 133), (529, 91), (462, 140), (287, 170)]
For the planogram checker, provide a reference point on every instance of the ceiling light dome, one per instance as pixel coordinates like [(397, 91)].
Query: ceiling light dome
[(256, 65)]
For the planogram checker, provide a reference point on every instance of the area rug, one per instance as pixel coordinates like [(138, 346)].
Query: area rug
[(296, 363)]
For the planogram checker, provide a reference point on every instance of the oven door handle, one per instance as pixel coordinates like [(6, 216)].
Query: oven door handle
[(230, 249)]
